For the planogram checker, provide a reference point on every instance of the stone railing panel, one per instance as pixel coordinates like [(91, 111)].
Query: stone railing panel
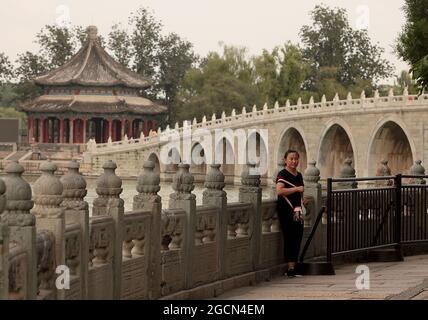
[(100, 279), (239, 258), (173, 265), (271, 241), (4, 252), (136, 237), (45, 246), (73, 249), (205, 266), (18, 269)]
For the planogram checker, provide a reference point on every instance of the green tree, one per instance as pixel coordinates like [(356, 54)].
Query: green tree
[(56, 45), (330, 42), (267, 67), (412, 42), (145, 38), (293, 74), (405, 80), (119, 43), (280, 74), (221, 83), (6, 68), (29, 66), (175, 57)]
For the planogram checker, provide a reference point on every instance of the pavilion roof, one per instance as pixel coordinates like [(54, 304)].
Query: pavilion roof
[(93, 66), (92, 104)]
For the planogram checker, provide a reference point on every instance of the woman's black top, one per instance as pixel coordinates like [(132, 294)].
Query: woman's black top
[(296, 197)]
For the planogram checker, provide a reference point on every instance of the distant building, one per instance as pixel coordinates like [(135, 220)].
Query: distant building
[(91, 96)]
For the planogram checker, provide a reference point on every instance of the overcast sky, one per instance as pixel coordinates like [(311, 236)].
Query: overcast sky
[(256, 24)]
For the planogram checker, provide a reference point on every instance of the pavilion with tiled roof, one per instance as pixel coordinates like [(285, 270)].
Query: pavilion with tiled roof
[(91, 96)]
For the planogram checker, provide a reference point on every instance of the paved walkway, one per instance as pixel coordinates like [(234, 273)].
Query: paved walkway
[(388, 280)]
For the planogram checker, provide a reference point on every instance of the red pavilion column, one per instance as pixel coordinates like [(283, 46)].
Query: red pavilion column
[(61, 130), (71, 122), (84, 130)]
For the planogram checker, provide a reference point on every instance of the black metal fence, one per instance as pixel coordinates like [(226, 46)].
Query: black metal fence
[(392, 211)]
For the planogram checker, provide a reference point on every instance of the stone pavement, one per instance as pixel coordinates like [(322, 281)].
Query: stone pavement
[(388, 280)]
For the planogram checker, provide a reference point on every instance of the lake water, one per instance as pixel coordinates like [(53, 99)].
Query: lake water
[(129, 191)]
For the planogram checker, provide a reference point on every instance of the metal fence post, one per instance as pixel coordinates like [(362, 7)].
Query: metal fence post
[(398, 209), (329, 219)]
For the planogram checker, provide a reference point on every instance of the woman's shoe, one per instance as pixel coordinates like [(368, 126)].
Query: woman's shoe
[(291, 273)]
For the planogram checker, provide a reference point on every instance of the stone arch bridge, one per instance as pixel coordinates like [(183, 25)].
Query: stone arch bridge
[(366, 130)]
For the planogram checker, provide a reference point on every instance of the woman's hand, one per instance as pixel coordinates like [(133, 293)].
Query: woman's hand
[(300, 189), (305, 201)]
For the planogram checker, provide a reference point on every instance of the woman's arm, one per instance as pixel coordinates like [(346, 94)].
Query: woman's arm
[(281, 190)]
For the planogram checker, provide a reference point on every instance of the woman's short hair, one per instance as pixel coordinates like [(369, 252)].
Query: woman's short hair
[(291, 151)]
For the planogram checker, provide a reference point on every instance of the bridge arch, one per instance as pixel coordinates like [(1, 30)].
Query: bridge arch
[(224, 154), (198, 159), (390, 140), (173, 159), (292, 137), (256, 150), (336, 145)]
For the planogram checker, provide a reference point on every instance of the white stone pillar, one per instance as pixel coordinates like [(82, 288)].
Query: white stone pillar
[(148, 199), (21, 222), (183, 198)]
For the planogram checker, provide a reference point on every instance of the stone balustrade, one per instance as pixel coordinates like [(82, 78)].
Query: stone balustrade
[(184, 251), (267, 114)]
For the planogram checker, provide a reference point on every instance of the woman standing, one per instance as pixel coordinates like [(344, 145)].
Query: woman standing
[(289, 187)]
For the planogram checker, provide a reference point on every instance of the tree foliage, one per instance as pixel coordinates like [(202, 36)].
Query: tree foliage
[(6, 68), (144, 48), (412, 42), (221, 82), (331, 44), (119, 43), (175, 57)]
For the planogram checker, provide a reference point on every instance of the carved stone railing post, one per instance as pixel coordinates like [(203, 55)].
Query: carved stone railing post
[(183, 198), (148, 187), (418, 170), (77, 212), (109, 188), (4, 248), (21, 222), (412, 197), (313, 191), (384, 171), (311, 178), (281, 165), (347, 171), (214, 195), (251, 192), (48, 212)]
